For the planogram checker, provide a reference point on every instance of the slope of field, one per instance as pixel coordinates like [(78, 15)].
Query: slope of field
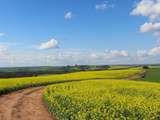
[(153, 75), (104, 100), (12, 84)]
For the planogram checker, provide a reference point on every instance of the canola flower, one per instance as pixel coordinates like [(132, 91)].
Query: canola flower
[(12, 84), (104, 100)]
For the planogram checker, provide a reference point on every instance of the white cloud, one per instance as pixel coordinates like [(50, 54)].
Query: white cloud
[(71, 57), (3, 48), (53, 43), (62, 57), (109, 56), (156, 34), (147, 56), (149, 27), (118, 53), (94, 56), (142, 53), (148, 8), (155, 51), (68, 15), (2, 34), (104, 5), (4, 52)]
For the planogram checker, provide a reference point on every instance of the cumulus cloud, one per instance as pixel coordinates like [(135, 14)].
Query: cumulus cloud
[(53, 43), (61, 57), (149, 27), (109, 55), (68, 15), (148, 8), (154, 52), (118, 53), (71, 57)]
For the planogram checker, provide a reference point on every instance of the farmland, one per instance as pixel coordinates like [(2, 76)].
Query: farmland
[(116, 93), (79, 59), (104, 100), (12, 84), (153, 75), (14, 72)]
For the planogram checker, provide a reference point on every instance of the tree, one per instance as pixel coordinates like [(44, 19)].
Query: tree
[(145, 67)]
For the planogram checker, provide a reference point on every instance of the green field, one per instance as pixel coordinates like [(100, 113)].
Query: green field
[(152, 75), (114, 67)]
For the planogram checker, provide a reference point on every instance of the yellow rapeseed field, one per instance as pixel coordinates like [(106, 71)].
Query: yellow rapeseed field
[(104, 100), (11, 84)]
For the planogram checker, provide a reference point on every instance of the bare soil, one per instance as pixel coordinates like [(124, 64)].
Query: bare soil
[(26, 104)]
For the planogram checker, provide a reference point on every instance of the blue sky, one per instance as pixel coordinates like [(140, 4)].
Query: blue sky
[(61, 32)]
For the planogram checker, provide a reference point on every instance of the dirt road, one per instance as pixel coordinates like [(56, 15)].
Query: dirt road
[(24, 104)]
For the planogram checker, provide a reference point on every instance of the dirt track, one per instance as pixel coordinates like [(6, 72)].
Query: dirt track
[(24, 104)]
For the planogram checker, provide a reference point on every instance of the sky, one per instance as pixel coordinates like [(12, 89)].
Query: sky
[(68, 32)]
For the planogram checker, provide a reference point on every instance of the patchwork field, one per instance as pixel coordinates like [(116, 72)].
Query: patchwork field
[(121, 93), (11, 84)]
